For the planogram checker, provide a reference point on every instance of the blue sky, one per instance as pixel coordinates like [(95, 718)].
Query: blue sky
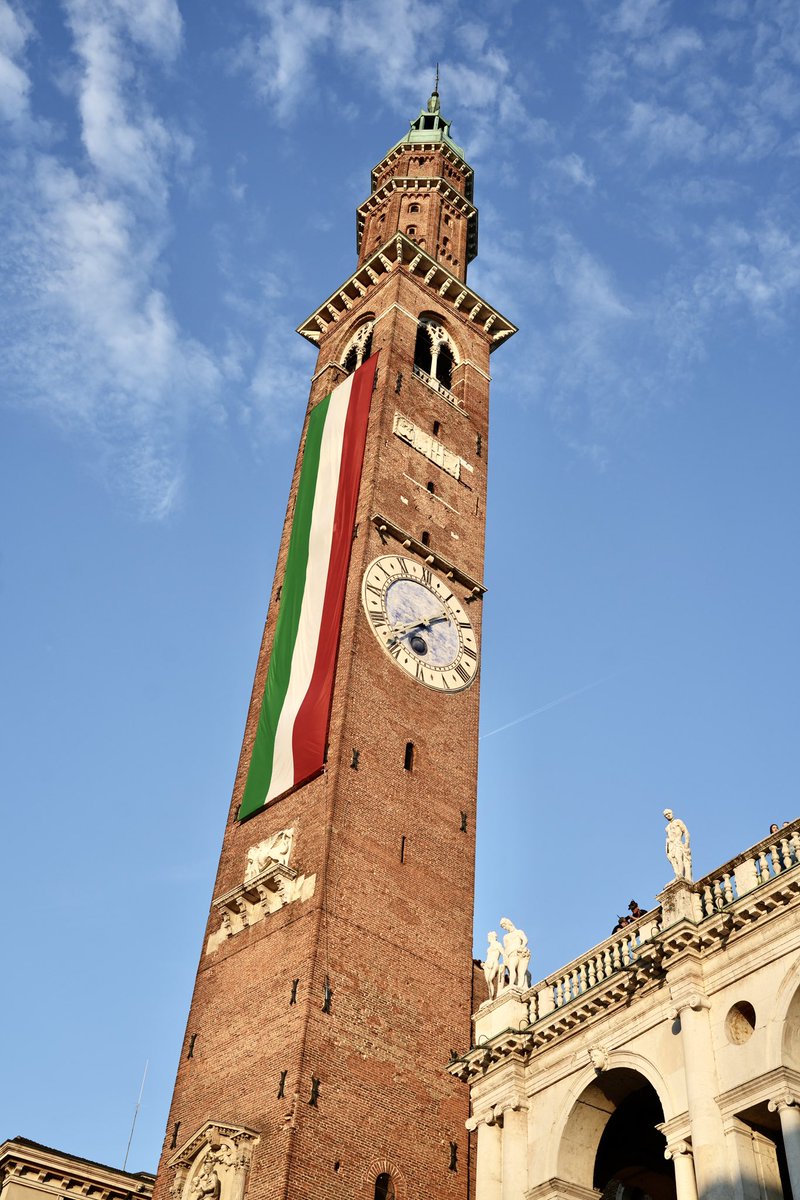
[(178, 193)]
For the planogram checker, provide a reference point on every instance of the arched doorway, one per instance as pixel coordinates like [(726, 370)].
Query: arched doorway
[(612, 1143)]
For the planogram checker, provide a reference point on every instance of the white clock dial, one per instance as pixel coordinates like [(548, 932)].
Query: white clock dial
[(420, 624)]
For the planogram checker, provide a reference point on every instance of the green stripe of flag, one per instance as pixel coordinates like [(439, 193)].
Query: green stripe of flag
[(292, 590)]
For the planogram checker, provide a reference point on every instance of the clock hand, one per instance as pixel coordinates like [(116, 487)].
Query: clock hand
[(401, 630)]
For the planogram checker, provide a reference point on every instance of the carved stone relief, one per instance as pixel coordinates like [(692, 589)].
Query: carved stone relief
[(214, 1163), (268, 884), (428, 445), (277, 849)]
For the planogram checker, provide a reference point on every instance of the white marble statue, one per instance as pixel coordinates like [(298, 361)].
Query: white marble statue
[(491, 966), (677, 847), (516, 954), (273, 849)]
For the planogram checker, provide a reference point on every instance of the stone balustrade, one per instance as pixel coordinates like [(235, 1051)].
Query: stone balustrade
[(437, 387), (769, 858), (741, 891), (618, 954)]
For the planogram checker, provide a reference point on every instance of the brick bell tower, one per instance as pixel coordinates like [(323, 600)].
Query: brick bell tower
[(335, 974)]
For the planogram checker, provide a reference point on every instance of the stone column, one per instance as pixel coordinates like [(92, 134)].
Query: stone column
[(685, 1182), (789, 1113), (515, 1153), (489, 1168), (708, 1136)]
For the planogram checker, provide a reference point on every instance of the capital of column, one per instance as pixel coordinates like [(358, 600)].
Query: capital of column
[(677, 1149), (495, 1113), (789, 1100), (694, 1000)]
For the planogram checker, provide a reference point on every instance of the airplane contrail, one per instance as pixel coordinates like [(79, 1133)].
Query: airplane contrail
[(551, 704)]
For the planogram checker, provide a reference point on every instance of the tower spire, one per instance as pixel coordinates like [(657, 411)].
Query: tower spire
[(433, 103)]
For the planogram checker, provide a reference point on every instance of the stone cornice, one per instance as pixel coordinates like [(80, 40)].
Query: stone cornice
[(210, 1134), (426, 148), (400, 253), (419, 183), (51, 1170), (780, 1086)]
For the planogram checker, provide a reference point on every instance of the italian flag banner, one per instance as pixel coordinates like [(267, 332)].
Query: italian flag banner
[(289, 747)]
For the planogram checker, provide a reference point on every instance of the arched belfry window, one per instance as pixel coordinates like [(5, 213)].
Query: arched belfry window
[(384, 1187), (434, 350), (359, 348)]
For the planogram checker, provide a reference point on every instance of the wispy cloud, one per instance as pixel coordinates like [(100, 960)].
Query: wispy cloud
[(91, 339), (285, 58), (15, 30)]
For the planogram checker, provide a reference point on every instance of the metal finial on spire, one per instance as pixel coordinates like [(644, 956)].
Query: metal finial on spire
[(433, 103)]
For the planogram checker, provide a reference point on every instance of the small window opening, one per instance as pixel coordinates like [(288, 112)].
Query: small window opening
[(422, 350), (445, 242), (293, 997), (478, 445), (426, 538), (413, 208), (463, 821), (354, 759), (408, 761), (278, 593), (411, 231), (282, 1085), (444, 366), (337, 1166), (174, 1141), (453, 1157), (431, 488), (355, 530), (315, 1083), (403, 848), (192, 1040), (446, 219), (384, 1187), (327, 996), (436, 427), (428, 123), (398, 382)]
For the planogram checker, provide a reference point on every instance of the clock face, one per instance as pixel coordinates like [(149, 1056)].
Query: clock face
[(419, 622)]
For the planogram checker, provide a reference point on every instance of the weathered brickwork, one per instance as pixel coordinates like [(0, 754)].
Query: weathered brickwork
[(389, 925)]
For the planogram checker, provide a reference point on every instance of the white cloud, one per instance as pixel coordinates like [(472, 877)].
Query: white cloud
[(665, 133), (15, 30), (279, 59), (125, 141), (286, 61), (90, 339), (93, 344), (573, 170)]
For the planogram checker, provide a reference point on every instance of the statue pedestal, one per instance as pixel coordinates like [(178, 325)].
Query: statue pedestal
[(509, 1011), (678, 903)]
